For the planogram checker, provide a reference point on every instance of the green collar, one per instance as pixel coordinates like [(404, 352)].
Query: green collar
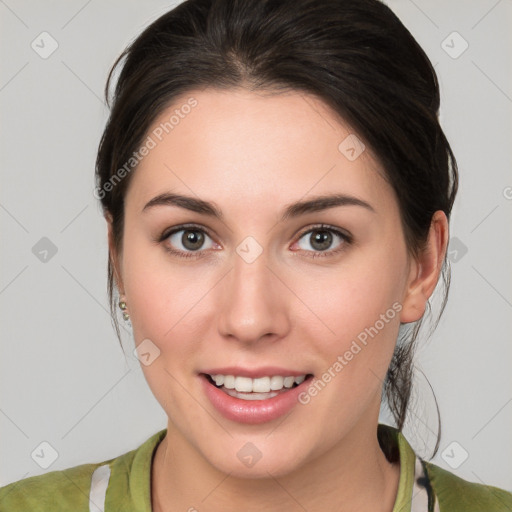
[(138, 465), (396, 448)]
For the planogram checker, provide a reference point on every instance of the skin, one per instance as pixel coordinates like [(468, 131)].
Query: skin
[(252, 154)]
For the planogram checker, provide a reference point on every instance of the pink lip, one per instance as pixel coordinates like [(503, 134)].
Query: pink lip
[(252, 411), (254, 373)]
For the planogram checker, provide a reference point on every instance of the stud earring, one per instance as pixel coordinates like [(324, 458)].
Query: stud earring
[(124, 307)]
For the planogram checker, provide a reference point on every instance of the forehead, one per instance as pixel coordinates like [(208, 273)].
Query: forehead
[(243, 146)]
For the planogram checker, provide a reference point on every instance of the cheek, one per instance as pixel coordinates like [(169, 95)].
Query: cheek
[(359, 308), (159, 293), (164, 302), (362, 293)]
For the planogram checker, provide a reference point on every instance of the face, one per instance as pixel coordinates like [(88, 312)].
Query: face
[(253, 288)]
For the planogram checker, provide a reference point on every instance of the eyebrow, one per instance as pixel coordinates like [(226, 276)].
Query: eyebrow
[(293, 210)]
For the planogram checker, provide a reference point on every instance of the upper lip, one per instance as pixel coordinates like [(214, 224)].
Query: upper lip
[(254, 373)]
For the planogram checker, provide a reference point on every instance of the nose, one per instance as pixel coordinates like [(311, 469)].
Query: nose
[(254, 303)]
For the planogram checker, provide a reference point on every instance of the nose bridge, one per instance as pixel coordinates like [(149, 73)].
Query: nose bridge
[(253, 305)]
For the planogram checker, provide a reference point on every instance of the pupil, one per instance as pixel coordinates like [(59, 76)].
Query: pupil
[(192, 239), (322, 238)]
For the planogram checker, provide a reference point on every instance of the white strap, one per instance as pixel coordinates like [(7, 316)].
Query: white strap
[(99, 484)]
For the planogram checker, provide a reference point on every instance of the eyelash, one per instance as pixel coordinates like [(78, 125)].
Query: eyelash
[(346, 240)]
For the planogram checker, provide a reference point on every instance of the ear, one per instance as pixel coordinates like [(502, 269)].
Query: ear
[(425, 270), (114, 256)]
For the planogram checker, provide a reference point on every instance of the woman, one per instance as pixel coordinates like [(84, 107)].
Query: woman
[(277, 189)]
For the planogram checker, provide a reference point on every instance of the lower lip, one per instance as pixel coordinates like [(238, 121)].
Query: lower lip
[(253, 411)]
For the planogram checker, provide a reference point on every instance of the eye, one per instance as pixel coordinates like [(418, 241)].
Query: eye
[(189, 241), (185, 241), (321, 239)]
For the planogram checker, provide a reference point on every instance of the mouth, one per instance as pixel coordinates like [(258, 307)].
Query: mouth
[(261, 388)]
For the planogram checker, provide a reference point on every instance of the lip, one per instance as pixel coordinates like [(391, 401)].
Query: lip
[(253, 411), (254, 373)]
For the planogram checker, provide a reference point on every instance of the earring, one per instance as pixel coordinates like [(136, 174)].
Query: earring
[(124, 307)]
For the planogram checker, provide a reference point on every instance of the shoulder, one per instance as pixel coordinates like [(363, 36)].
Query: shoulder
[(456, 494), (67, 489), (425, 486), (119, 482)]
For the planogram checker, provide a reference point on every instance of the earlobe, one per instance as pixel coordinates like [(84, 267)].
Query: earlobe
[(414, 303), (426, 270)]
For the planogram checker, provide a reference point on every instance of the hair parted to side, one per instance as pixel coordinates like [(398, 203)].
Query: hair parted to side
[(355, 55)]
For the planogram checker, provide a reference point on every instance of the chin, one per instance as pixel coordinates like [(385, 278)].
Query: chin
[(255, 457), (265, 467)]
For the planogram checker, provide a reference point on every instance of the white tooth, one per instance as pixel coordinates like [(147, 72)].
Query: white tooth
[(261, 385), (229, 381), (276, 383), (300, 379), (288, 382), (219, 379), (243, 384)]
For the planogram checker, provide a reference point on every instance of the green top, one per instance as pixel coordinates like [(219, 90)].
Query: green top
[(124, 483)]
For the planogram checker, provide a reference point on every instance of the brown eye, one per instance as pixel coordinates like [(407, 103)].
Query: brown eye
[(322, 239), (185, 241), (192, 239)]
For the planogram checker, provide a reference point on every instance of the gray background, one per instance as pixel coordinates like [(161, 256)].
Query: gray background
[(65, 379)]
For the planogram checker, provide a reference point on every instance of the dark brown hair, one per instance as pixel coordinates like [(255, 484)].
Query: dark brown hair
[(355, 55)]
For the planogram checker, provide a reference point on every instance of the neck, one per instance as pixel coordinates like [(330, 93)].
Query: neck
[(353, 475)]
